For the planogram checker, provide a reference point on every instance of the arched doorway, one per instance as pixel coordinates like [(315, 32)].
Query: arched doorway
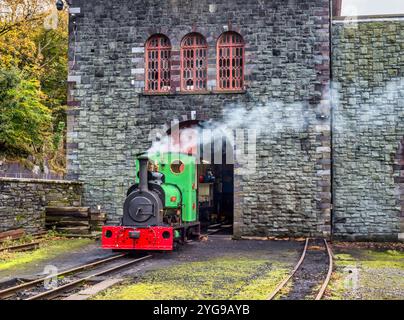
[(215, 172)]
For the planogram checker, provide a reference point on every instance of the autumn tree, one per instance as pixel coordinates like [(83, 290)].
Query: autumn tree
[(33, 73), (24, 121)]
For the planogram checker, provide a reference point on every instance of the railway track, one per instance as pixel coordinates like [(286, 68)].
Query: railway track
[(217, 228), (311, 270), (72, 278), (35, 244), (21, 247)]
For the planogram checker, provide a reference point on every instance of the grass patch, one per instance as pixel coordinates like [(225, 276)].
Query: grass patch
[(336, 287), (285, 290), (49, 248), (221, 278), (371, 259), (260, 288), (383, 259)]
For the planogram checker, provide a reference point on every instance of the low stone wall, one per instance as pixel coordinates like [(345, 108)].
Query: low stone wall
[(23, 201)]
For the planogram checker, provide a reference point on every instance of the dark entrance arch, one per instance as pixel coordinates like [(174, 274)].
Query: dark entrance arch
[(215, 172)]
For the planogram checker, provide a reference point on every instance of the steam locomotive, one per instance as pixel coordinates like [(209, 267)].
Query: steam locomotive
[(160, 210)]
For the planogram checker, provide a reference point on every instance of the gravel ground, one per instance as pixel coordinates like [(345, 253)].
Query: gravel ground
[(218, 246), (218, 268), (362, 270), (367, 271)]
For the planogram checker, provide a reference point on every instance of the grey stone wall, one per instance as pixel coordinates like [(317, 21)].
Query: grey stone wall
[(368, 69), (23, 201), (287, 61)]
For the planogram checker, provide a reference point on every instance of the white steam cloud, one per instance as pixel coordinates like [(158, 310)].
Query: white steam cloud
[(239, 127)]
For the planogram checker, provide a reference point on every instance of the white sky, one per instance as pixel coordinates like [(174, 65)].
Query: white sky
[(371, 7)]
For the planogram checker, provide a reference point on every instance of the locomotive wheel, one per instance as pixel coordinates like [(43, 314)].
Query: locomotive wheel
[(193, 233), (189, 233), (176, 246)]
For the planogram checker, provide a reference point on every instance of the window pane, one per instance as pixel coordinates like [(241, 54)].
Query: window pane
[(230, 61), (193, 62), (158, 51)]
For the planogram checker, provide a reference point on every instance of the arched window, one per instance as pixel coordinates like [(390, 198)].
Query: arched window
[(158, 64), (230, 61), (194, 62)]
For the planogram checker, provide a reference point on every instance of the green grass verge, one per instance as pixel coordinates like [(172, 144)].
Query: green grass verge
[(48, 250)]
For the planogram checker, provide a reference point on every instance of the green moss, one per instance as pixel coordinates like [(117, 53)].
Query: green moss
[(260, 288), (285, 290), (386, 255), (336, 287), (372, 259), (48, 250), (221, 278), (343, 259), (20, 217)]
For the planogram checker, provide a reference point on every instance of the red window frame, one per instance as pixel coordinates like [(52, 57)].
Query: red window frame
[(194, 62), (158, 64), (230, 62)]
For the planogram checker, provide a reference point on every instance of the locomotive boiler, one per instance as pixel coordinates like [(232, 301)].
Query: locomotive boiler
[(160, 209)]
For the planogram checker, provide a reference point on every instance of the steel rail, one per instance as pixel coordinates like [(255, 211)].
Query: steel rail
[(215, 225), (282, 284), (325, 282), (327, 279), (54, 292), (10, 291), (21, 247), (221, 228)]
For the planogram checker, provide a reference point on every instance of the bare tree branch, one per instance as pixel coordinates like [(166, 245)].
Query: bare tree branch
[(16, 13)]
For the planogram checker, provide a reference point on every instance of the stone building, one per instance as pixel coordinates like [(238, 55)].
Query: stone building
[(313, 177)]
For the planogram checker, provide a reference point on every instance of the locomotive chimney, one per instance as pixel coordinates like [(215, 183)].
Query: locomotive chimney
[(143, 181)]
